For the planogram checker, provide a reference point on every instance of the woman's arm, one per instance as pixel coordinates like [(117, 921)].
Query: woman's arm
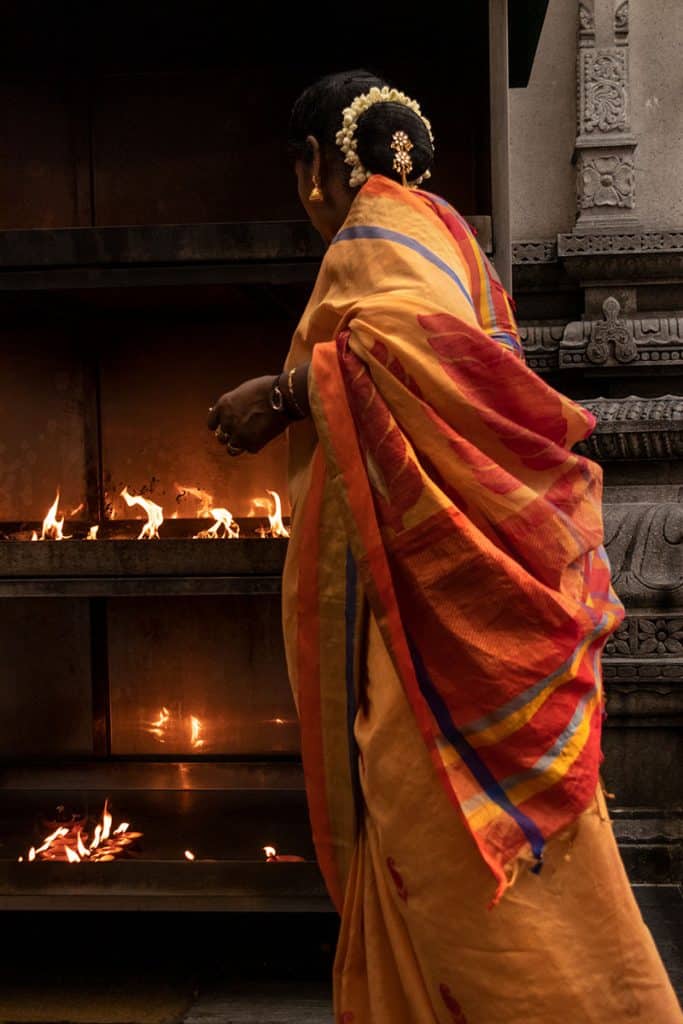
[(251, 415)]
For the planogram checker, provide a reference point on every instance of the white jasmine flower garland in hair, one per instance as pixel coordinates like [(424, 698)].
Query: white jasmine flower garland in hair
[(346, 136)]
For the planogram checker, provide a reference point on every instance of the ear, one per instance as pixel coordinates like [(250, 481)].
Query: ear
[(315, 147)]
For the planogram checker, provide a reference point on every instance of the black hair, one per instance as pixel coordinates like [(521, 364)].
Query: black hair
[(318, 112)]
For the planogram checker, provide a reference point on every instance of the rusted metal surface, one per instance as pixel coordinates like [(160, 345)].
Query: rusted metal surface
[(124, 774), (45, 697), (158, 378), (99, 677), (167, 586), (225, 829), (199, 675), (132, 558), (159, 885), (160, 244), (41, 421), (38, 170)]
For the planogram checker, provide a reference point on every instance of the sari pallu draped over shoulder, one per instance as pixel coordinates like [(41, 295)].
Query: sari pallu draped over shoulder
[(445, 492)]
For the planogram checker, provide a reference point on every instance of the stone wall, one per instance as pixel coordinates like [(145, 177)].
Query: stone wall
[(597, 165)]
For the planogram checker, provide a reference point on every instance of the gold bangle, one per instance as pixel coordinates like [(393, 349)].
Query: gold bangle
[(292, 397)]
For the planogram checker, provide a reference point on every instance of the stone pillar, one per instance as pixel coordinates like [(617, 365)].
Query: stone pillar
[(604, 144)]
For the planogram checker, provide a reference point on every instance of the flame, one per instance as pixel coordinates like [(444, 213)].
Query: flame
[(92, 533), (75, 511), (53, 528), (276, 527), (196, 729), (96, 838), (49, 840), (81, 849), (106, 822), (223, 519), (34, 535), (189, 855), (203, 497), (71, 843), (155, 514), (270, 852)]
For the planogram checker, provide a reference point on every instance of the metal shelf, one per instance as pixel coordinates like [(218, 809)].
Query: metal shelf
[(163, 885), (122, 568), (171, 255)]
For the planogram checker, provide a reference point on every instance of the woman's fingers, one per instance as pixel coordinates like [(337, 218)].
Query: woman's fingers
[(213, 420)]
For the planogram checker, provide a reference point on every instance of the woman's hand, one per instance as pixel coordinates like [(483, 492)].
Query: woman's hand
[(244, 420)]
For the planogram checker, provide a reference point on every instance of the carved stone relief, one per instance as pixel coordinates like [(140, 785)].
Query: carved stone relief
[(605, 180), (611, 337), (543, 251), (620, 242), (602, 91), (615, 341), (604, 146), (621, 22), (586, 23), (644, 542), (635, 428)]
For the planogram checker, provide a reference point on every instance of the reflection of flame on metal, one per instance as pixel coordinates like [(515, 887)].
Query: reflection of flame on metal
[(74, 511), (53, 528), (276, 527), (224, 522), (203, 497), (172, 727), (158, 727), (196, 729), (92, 533), (273, 857), (189, 855), (155, 514), (70, 843)]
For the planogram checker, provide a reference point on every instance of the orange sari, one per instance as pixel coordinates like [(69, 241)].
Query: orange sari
[(446, 601)]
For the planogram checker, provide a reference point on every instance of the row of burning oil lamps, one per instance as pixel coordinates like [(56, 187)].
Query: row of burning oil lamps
[(224, 527), (72, 844)]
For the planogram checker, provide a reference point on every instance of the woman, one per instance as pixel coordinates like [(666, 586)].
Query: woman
[(446, 599)]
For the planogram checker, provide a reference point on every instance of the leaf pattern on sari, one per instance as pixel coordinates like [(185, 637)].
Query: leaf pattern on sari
[(396, 479), (381, 353), (397, 879), (496, 387), (452, 1005)]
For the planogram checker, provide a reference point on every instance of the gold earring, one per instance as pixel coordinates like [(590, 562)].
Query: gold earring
[(316, 195)]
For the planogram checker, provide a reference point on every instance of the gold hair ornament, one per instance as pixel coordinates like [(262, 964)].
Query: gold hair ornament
[(346, 136), (402, 163)]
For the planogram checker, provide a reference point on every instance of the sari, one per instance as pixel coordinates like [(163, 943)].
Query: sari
[(446, 599)]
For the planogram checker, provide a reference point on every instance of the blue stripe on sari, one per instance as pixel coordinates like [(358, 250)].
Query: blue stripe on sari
[(481, 773), (387, 235), (350, 615)]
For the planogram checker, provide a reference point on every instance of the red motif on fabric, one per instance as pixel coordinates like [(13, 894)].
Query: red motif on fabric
[(401, 483), (496, 387), (398, 879), (452, 1005), (381, 353)]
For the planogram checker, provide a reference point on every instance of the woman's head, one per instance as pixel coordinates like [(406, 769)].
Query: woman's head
[(315, 121)]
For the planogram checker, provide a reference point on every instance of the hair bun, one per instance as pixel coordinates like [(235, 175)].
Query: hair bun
[(375, 130)]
